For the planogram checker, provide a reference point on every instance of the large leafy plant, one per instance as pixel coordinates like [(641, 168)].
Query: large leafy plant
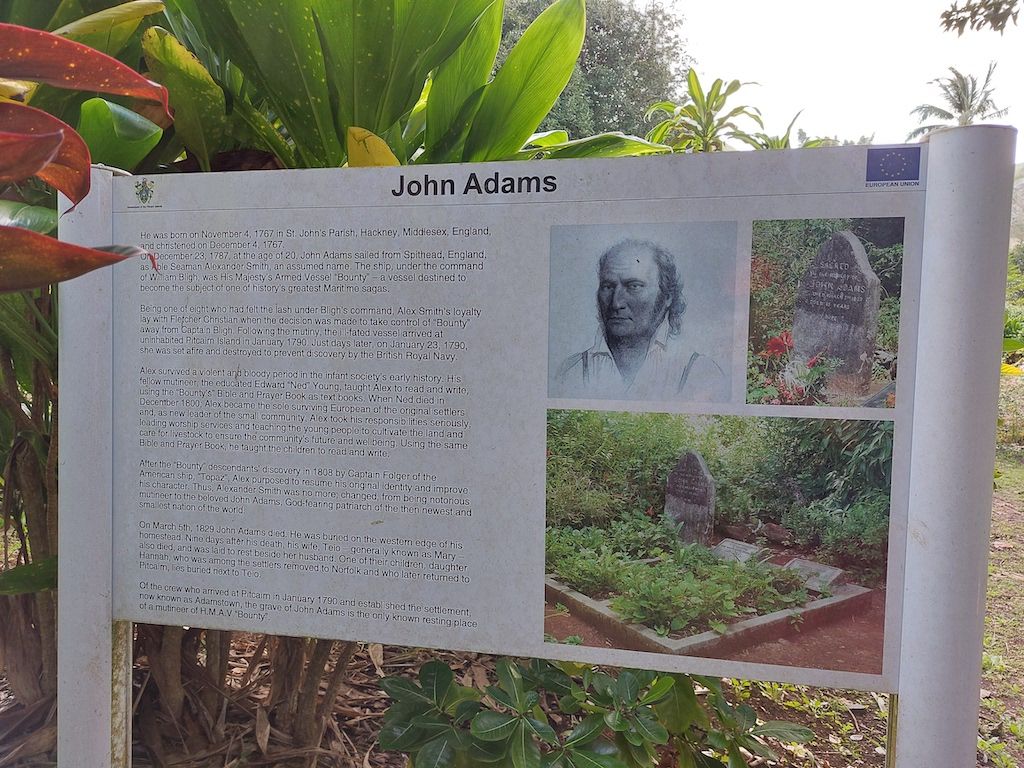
[(307, 82), (600, 720)]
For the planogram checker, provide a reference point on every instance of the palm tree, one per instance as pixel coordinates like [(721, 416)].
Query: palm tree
[(966, 102)]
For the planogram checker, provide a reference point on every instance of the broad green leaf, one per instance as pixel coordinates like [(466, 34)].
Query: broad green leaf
[(616, 721), (379, 53), (588, 729), (402, 736), (439, 752), (403, 689), (529, 82), (31, 13), (606, 145), (1012, 345), (783, 731), (680, 708), (493, 726), (116, 136), (35, 217), (110, 29), (651, 730), (511, 680), (548, 139), (436, 678), (627, 688), (462, 74), (541, 729), (368, 150), (756, 747), (662, 685), (275, 43), (524, 751), (199, 107), (746, 717), (26, 579), (488, 751), (584, 758)]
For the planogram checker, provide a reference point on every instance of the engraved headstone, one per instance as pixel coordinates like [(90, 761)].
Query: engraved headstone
[(817, 577), (837, 312), (740, 551), (690, 499)]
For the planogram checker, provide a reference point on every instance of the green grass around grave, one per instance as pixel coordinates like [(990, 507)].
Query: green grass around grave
[(654, 580)]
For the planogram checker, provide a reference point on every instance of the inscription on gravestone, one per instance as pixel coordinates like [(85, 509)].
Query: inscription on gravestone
[(690, 499), (837, 312)]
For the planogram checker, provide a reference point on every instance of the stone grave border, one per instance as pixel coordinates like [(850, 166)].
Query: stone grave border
[(740, 635)]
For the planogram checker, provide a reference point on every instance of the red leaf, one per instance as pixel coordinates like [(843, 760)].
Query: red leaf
[(22, 156), (31, 260), (69, 170), (31, 54)]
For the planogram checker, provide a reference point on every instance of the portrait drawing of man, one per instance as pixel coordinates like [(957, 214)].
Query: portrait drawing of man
[(640, 351)]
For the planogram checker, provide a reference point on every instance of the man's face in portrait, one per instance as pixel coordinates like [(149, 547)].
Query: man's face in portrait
[(628, 295)]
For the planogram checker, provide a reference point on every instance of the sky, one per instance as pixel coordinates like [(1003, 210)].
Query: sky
[(855, 67)]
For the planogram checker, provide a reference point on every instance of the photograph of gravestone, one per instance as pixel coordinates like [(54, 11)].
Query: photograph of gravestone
[(760, 539), (824, 312)]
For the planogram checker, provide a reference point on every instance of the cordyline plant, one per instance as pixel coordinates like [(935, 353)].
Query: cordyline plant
[(37, 145)]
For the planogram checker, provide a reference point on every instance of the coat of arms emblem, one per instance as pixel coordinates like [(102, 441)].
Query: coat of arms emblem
[(144, 190)]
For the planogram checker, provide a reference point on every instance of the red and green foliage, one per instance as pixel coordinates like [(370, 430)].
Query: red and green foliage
[(38, 145)]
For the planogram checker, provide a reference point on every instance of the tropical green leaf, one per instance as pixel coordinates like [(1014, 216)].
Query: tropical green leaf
[(439, 752), (529, 82), (493, 726), (585, 758), (461, 74), (524, 751), (35, 217), (680, 708), (403, 689), (198, 102), (651, 730), (436, 678), (488, 751), (588, 729), (402, 736), (627, 687), (542, 730), (26, 579), (110, 29), (116, 136), (658, 690), (511, 680), (275, 44)]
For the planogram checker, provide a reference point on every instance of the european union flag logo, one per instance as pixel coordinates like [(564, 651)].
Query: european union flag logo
[(894, 164)]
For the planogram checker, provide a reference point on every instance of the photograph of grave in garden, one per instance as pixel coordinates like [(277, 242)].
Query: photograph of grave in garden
[(759, 539), (824, 312)]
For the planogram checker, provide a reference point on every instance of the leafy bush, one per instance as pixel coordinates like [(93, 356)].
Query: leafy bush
[(564, 715), (853, 533)]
